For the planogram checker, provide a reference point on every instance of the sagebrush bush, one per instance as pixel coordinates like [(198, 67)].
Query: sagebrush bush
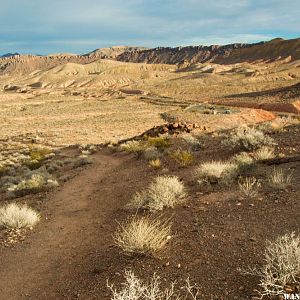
[(264, 153), (133, 146), (274, 126), (151, 153), (281, 269), (160, 142), (216, 172), (164, 191), (247, 138), (81, 161), (143, 235), (194, 143), (244, 162), (279, 179), (36, 156), (39, 153), (135, 289), (183, 157), (36, 182), (18, 216)]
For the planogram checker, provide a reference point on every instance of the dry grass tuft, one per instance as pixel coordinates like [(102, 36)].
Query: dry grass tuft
[(155, 163), (280, 272), (264, 153), (164, 191), (279, 179), (247, 138), (216, 172), (183, 157), (249, 187), (143, 235), (18, 216)]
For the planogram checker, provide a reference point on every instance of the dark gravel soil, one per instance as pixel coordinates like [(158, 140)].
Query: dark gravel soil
[(216, 233)]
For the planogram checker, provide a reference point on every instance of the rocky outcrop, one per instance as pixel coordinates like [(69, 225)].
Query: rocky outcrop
[(173, 128), (179, 55), (112, 52), (228, 54)]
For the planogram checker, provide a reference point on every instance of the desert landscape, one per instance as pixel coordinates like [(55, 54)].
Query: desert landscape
[(133, 173)]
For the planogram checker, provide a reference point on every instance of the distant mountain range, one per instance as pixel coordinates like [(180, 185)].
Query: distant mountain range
[(9, 54), (234, 53)]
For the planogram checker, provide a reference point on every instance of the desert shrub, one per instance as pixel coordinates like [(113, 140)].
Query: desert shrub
[(133, 146), (244, 162), (160, 142), (54, 166), (263, 153), (155, 163), (279, 179), (169, 117), (81, 161), (281, 269), (135, 289), (3, 170), (247, 138), (150, 147), (249, 187), (193, 142), (273, 126), (164, 191), (143, 235), (18, 216), (39, 154), (216, 172), (85, 152), (151, 153), (183, 157), (34, 183), (87, 149), (36, 157)]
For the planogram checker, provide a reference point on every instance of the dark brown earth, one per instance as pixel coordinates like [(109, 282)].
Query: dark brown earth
[(216, 234)]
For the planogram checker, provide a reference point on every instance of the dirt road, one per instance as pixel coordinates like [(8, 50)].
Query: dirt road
[(61, 250)]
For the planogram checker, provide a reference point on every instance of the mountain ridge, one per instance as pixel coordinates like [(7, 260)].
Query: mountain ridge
[(222, 54)]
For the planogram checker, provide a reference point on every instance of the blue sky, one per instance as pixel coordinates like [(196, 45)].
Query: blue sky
[(42, 27)]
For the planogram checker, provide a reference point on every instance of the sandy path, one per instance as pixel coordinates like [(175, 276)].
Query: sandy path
[(55, 253)]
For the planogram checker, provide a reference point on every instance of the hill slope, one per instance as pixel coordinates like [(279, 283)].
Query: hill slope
[(25, 64), (234, 53), (101, 73), (227, 54)]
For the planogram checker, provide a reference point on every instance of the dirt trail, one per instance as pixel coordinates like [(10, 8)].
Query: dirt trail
[(54, 256)]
